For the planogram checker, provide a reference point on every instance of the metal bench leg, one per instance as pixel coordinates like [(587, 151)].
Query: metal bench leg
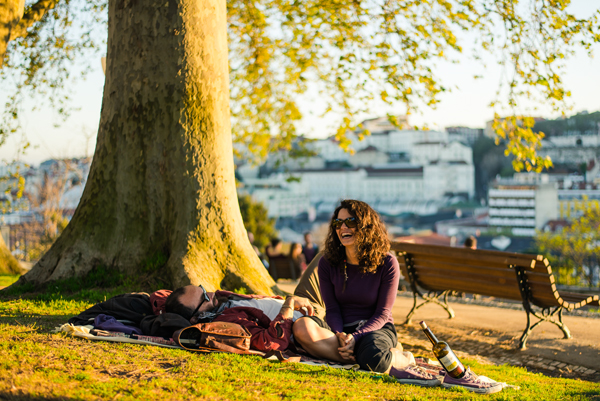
[(427, 299), (408, 260), (527, 330), (562, 326), (446, 306), (544, 316), (413, 310)]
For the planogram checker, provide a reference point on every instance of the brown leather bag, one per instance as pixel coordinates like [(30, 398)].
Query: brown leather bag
[(214, 336)]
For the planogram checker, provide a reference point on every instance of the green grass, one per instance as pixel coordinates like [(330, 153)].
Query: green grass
[(35, 363), (8, 279)]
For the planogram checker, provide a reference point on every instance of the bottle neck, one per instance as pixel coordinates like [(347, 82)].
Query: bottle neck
[(430, 335)]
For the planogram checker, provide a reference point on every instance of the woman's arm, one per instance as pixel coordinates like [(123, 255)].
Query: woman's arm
[(333, 313), (385, 298)]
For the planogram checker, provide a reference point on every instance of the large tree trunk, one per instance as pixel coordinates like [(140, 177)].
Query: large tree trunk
[(162, 179)]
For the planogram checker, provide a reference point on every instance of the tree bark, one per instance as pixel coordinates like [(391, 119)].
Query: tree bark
[(162, 178)]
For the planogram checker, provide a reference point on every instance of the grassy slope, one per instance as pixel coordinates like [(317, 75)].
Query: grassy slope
[(8, 263), (7, 279), (37, 364)]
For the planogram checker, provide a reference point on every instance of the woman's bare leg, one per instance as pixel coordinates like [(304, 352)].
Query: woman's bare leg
[(317, 341)]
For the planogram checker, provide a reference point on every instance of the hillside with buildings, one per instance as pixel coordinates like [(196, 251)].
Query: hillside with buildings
[(396, 171), (425, 180), (423, 183)]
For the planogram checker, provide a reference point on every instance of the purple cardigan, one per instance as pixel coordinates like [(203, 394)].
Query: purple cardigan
[(368, 296)]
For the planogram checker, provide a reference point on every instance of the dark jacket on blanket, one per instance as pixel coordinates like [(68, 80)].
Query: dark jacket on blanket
[(147, 312), (133, 307), (136, 308)]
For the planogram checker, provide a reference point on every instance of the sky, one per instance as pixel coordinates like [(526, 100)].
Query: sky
[(465, 105)]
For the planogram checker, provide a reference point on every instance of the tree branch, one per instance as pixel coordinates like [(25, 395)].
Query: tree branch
[(32, 15)]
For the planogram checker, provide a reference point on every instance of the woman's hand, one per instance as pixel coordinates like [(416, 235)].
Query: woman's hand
[(347, 344)]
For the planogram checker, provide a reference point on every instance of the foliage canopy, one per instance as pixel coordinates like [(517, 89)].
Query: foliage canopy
[(256, 220), (577, 247), (356, 54)]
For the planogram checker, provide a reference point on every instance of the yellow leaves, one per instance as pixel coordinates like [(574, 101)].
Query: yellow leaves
[(357, 51), (521, 142), (534, 54)]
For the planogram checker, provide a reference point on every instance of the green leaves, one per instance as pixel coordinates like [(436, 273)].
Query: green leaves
[(40, 63), (577, 246)]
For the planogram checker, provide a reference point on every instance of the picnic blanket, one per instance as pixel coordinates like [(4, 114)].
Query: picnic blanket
[(90, 333)]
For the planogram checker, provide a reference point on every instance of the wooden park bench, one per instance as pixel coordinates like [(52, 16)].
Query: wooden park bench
[(435, 271)]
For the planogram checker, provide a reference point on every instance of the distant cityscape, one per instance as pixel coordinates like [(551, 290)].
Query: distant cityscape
[(435, 187)]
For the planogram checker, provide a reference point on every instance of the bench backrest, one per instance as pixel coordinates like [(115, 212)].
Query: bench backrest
[(492, 273)]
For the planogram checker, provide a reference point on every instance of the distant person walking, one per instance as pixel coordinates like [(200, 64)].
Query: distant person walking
[(297, 258), (274, 248), (310, 249)]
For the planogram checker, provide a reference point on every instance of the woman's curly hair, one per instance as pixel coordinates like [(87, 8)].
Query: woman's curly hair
[(371, 237)]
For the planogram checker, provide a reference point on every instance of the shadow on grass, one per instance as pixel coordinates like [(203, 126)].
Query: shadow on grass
[(38, 323), (18, 396), (97, 285), (44, 307)]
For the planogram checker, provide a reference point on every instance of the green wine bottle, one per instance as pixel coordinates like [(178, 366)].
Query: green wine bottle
[(444, 354)]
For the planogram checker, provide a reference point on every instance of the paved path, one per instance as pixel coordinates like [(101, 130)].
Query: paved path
[(491, 334)]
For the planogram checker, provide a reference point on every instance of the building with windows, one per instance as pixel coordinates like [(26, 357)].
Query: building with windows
[(396, 171), (464, 134), (520, 206)]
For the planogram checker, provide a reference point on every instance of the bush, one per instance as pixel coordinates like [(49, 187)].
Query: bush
[(256, 220)]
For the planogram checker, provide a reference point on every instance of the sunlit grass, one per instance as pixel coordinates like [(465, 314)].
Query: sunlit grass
[(8, 279), (35, 363)]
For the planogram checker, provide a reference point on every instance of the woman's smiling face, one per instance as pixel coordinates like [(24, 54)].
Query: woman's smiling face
[(344, 233)]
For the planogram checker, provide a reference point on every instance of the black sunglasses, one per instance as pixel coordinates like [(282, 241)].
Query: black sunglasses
[(350, 222), (204, 299)]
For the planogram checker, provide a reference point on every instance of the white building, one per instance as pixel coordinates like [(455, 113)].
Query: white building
[(280, 197), (381, 124), (571, 149), (377, 172), (393, 142), (447, 178), (426, 152), (368, 157), (523, 206), (464, 134)]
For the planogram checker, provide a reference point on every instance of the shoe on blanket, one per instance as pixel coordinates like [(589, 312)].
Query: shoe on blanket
[(470, 381), (416, 375), (432, 367)]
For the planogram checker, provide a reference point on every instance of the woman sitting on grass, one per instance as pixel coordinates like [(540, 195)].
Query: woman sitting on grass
[(359, 281)]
